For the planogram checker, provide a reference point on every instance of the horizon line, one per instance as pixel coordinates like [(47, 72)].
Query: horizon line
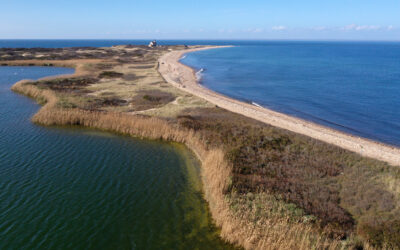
[(204, 39)]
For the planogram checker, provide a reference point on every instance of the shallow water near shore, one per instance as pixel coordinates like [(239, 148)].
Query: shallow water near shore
[(350, 86), (73, 188)]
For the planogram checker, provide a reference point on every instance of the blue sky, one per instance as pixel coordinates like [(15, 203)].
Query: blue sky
[(206, 19)]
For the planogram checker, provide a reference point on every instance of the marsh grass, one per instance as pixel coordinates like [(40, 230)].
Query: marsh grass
[(337, 187), (254, 221), (215, 171), (267, 188)]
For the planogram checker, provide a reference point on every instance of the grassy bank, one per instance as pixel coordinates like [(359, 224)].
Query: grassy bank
[(216, 171), (267, 188)]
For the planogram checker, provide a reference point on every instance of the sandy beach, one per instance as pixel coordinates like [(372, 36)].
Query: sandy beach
[(120, 89), (183, 77)]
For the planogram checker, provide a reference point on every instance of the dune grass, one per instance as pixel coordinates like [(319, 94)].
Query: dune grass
[(267, 188)]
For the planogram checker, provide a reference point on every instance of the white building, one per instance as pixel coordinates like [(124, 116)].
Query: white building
[(153, 44)]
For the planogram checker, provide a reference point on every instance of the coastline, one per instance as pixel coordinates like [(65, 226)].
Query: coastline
[(184, 77), (236, 214), (215, 170), (179, 162)]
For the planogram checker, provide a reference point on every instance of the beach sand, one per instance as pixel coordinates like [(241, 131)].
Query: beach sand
[(184, 77)]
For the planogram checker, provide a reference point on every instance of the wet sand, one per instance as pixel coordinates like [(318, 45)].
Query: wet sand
[(184, 77)]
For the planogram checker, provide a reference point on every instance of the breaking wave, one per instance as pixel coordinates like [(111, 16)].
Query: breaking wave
[(199, 74), (256, 104)]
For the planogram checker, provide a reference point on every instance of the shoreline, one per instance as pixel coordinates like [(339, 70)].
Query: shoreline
[(215, 170), (235, 214), (213, 166), (190, 166), (184, 78)]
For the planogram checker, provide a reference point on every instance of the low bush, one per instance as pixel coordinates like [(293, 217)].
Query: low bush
[(110, 74), (319, 186), (65, 84), (301, 170), (380, 232), (150, 99)]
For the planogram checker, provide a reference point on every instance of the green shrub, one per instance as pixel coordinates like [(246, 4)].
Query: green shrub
[(110, 74), (152, 98)]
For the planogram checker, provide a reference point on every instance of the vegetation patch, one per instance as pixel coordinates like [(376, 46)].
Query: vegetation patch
[(99, 103), (132, 77), (110, 74), (279, 183), (66, 84), (380, 232), (104, 66), (320, 179), (65, 103), (142, 67), (72, 53), (151, 99)]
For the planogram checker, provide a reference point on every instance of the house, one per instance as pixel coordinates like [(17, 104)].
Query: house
[(153, 44)]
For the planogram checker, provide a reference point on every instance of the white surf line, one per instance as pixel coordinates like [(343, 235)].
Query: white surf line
[(183, 77)]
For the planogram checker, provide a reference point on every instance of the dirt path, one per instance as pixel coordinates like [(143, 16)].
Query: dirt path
[(183, 77)]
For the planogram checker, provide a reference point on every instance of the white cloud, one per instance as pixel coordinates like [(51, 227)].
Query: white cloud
[(354, 27), (280, 27)]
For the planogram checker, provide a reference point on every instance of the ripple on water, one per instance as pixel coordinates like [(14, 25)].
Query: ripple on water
[(80, 189)]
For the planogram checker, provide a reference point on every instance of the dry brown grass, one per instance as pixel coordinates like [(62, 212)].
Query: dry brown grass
[(270, 231), (267, 188)]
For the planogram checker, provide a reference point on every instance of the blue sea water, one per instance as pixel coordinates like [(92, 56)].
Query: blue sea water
[(350, 86), (33, 43)]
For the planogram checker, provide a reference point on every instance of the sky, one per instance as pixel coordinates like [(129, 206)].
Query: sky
[(206, 19)]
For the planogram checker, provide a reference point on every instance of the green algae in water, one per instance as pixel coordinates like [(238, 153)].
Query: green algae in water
[(80, 189)]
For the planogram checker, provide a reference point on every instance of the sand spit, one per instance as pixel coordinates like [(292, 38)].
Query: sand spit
[(236, 229), (110, 95), (184, 77)]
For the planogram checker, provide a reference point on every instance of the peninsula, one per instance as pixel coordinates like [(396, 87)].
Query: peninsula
[(183, 77), (271, 180)]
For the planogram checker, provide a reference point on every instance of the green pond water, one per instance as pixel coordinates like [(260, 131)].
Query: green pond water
[(70, 188)]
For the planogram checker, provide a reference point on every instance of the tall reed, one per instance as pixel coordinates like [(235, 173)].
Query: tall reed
[(242, 227)]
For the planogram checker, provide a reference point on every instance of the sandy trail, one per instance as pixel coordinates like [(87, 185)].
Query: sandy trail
[(183, 77)]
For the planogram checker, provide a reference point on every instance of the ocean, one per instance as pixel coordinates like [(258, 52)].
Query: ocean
[(349, 86), (32, 43), (83, 189)]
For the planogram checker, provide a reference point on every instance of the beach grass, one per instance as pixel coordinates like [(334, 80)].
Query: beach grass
[(267, 188)]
